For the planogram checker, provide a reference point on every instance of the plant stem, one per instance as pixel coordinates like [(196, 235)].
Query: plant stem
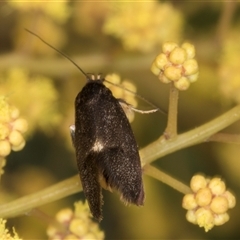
[(165, 178), (171, 130), (25, 204), (162, 147)]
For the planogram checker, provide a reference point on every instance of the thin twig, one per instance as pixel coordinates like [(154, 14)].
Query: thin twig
[(167, 179), (171, 130)]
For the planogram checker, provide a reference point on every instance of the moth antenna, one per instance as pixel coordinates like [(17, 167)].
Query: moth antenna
[(98, 77), (140, 97), (63, 54)]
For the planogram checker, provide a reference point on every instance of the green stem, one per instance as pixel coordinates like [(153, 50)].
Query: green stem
[(162, 147), (25, 204), (165, 178), (171, 129)]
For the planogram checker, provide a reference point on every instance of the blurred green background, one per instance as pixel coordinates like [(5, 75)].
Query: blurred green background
[(121, 37)]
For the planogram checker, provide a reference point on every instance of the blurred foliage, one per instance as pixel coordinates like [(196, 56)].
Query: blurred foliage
[(122, 37)]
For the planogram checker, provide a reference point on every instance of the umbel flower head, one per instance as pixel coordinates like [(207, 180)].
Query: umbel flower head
[(12, 126), (176, 64), (209, 202), (75, 225)]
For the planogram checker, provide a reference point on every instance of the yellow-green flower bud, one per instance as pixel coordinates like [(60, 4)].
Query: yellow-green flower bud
[(79, 227), (182, 83), (5, 148), (191, 217), (154, 69), (190, 49), (163, 78), (21, 125), (217, 186), (190, 66), (189, 201), (64, 215), (178, 55), (193, 78), (168, 46), (15, 138), (161, 61), (220, 219), (231, 199), (173, 73), (19, 147), (205, 218), (203, 197), (198, 182), (219, 205)]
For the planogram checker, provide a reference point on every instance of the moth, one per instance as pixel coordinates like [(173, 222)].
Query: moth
[(105, 145)]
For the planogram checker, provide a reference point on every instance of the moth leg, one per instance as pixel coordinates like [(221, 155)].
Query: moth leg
[(72, 133), (127, 107)]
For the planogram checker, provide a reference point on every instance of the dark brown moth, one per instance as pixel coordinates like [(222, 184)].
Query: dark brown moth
[(105, 145)]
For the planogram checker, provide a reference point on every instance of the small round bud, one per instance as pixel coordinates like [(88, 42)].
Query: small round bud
[(161, 61), (190, 66), (173, 73), (230, 198), (203, 197), (220, 219), (182, 84), (163, 78), (168, 46), (52, 232), (15, 138), (154, 69), (217, 186), (5, 148), (19, 147), (219, 205), (191, 217), (64, 215), (189, 202), (190, 49), (78, 227), (198, 182), (178, 55), (205, 218), (21, 125), (193, 77)]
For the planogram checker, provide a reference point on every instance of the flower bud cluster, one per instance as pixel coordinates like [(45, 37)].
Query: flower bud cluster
[(176, 64), (75, 225), (123, 90), (208, 204), (11, 129)]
